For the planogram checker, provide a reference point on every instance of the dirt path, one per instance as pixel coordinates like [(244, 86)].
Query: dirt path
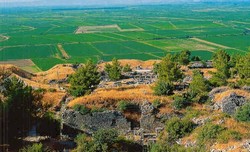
[(64, 53), (218, 45), (211, 43)]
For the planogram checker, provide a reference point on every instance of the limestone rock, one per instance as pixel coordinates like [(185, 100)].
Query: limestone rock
[(229, 104)]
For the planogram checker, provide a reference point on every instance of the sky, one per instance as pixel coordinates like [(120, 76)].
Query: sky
[(94, 2)]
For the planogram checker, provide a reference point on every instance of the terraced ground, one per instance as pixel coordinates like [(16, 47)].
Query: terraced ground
[(49, 36)]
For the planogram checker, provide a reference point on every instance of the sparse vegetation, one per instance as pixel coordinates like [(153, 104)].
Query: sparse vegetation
[(209, 132)]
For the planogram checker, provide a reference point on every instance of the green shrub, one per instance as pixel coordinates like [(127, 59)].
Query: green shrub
[(209, 132), (177, 128), (82, 109), (156, 103), (243, 113), (97, 109), (125, 105), (163, 88), (180, 102), (126, 68)]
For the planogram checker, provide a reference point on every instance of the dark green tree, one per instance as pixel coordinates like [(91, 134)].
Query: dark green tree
[(18, 109), (221, 61), (199, 86), (114, 70), (85, 80), (183, 57), (168, 70), (242, 67)]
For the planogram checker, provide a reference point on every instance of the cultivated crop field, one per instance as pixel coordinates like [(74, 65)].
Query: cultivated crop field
[(50, 36)]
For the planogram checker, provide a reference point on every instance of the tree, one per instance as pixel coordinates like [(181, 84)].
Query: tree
[(242, 67), (180, 102), (85, 80), (199, 85), (114, 70), (243, 113), (221, 61), (183, 57), (168, 70), (20, 107), (163, 88)]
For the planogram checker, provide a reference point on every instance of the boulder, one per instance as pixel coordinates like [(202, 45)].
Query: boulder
[(230, 104)]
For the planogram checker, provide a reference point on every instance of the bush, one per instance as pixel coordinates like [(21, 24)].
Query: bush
[(127, 68), (209, 132), (124, 105), (97, 109), (156, 103), (177, 128), (243, 113), (180, 102), (82, 109), (163, 88)]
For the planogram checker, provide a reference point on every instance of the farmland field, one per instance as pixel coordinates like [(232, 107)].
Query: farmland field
[(50, 36)]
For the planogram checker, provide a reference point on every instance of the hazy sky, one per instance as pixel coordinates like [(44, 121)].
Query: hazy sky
[(94, 2)]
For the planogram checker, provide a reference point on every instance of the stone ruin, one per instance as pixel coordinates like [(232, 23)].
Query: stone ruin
[(91, 122), (111, 119), (148, 121)]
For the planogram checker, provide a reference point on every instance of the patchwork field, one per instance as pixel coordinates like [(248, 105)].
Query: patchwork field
[(49, 36)]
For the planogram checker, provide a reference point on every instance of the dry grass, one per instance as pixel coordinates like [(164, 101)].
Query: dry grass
[(134, 63), (243, 128), (52, 98), (56, 73), (236, 144), (110, 97), (220, 96)]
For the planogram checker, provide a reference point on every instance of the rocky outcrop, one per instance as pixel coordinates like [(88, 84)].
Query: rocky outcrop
[(94, 121), (229, 104), (200, 64), (148, 121), (217, 91)]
